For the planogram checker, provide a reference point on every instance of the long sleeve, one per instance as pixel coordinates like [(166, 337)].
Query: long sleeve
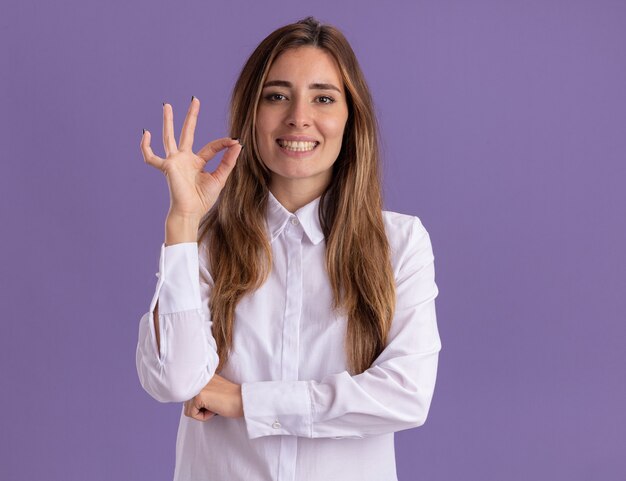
[(188, 354), (393, 394)]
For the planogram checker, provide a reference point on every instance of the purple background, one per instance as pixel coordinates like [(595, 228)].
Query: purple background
[(504, 130)]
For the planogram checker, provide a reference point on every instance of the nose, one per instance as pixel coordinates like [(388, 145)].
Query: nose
[(299, 114)]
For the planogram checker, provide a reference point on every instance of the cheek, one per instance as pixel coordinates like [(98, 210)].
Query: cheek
[(262, 132), (334, 127), (263, 119)]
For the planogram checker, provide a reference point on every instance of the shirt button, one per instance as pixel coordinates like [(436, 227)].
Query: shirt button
[(294, 220), (276, 425)]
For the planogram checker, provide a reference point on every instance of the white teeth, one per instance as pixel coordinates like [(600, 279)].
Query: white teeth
[(297, 146)]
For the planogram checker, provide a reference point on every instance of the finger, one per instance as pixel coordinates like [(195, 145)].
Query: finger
[(198, 413), (146, 151), (204, 415), (227, 164), (187, 409), (169, 142), (209, 150), (189, 126)]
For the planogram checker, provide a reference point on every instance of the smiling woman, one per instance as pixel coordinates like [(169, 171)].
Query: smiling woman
[(300, 125), (288, 301)]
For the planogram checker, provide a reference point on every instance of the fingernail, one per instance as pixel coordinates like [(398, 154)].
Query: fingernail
[(143, 131), (242, 146), (192, 97), (237, 139), (163, 104)]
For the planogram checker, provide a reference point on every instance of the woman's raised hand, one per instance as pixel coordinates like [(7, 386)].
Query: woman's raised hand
[(192, 191)]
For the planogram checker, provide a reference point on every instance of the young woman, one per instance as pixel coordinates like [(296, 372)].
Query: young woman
[(293, 317)]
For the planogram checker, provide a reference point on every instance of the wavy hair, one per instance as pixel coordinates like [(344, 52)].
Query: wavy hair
[(350, 209)]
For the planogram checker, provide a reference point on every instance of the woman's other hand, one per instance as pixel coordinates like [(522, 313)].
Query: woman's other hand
[(219, 396), (192, 191)]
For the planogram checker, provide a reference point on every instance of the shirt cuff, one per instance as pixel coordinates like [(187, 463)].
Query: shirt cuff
[(178, 288), (277, 407)]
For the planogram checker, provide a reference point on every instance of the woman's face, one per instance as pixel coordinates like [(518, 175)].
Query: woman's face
[(301, 118)]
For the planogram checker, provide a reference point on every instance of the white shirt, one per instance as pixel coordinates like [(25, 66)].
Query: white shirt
[(305, 417)]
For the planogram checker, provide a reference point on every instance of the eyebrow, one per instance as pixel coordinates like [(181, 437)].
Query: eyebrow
[(314, 86)]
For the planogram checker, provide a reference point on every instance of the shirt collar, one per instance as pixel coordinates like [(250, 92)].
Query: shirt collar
[(278, 216)]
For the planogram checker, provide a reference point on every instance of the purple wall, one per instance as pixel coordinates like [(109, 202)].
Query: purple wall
[(504, 129)]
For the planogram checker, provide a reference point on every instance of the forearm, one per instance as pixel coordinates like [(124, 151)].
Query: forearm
[(178, 229), (176, 353), (391, 397)]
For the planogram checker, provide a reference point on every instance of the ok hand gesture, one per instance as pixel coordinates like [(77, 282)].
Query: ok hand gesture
[(192, 191)]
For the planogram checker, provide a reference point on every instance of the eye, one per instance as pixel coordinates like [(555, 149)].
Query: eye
[(325, 99), (274, 97)]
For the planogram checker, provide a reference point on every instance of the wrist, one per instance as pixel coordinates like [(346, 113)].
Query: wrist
[(238, 402), (181, 228)]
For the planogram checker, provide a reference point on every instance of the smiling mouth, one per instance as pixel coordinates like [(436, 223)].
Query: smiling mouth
[(297, 146)]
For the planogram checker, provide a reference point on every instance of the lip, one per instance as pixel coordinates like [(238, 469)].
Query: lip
[(294, 153), (298, 138)]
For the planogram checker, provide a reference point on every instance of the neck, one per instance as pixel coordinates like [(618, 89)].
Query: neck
[(293, 195)]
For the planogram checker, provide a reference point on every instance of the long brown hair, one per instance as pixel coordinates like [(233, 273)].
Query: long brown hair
[(350, 209)]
